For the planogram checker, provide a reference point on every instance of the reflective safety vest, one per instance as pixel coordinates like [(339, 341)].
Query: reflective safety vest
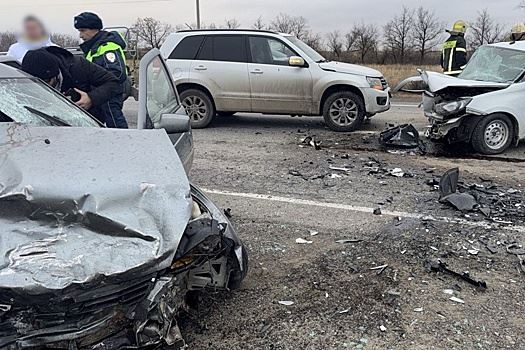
[(454, 55), (105, 48)]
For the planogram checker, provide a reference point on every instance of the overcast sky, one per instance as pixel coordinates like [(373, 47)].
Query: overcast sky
[(323, 15)]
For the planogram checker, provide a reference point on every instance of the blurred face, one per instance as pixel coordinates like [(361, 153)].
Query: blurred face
[(87, 34), (33, 30)]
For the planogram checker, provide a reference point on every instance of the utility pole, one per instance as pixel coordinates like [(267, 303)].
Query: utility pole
[(198, 15)]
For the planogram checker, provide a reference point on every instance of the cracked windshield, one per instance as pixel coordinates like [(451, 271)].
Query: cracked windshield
[(31, 102), (495, 64)]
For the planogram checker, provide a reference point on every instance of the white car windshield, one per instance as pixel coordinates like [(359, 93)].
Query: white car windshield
[(495, 64), (28, 101), (314, 55)]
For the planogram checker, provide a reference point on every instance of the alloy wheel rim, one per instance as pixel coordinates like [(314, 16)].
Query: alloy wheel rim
[(195, 108), (496, 134), (343, 111)]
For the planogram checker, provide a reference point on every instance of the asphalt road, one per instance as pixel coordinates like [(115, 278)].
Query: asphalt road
[(372, 290)]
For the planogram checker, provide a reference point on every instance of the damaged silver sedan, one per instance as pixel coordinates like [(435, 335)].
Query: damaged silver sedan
[(484, 105), (101, 245)]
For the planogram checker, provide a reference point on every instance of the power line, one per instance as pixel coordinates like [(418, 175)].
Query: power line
[(88, 3)]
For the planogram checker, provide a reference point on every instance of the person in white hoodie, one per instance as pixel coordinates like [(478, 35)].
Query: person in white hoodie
[(34, 36)]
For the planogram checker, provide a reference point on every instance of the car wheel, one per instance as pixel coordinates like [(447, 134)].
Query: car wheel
[(225, 114), (493, 134), (236, 275), (199, 107), (344, 111)]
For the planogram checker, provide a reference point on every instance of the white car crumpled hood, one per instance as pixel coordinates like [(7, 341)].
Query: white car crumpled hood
[(78, 204), (348, 68), (438, 81)]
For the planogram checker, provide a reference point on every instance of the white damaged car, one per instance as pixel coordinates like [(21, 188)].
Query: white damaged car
[(484, 105)]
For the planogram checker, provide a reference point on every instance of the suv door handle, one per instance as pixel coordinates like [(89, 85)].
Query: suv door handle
[(201, 67), (257, 71)]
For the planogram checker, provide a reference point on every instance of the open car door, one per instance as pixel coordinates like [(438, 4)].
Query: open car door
[(160, 107)]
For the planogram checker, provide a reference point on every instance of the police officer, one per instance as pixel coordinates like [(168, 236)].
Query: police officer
[(88, 85), (105, 49), (454, 54), (518, 32)]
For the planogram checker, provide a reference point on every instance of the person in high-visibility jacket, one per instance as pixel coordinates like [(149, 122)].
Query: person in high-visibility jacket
[(105, 49), (517, 32), (454, 54)]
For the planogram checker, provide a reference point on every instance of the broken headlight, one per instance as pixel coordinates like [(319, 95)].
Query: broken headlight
[(454, 107)]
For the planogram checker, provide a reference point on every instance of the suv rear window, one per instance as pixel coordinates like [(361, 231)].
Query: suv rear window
[(187, 48), (226, 48)]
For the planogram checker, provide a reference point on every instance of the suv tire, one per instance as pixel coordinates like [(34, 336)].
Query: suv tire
[(493, 134), (344, 111), (199, 107)]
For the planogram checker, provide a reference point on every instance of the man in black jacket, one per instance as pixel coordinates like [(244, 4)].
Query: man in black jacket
[(88, 85), (454, 54), (105, 49)]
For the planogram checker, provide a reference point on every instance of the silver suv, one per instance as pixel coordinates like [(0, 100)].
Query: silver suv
[(227, 71)]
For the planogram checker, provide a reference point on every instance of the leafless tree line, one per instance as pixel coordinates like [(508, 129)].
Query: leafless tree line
[(411, 36)]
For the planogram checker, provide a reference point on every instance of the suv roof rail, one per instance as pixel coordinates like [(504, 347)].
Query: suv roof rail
[(226, 30)]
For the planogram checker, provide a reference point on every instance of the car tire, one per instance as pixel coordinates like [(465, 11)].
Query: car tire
[(493, 134), (236, 275), (199, 107), (344, 111), (225, 114)]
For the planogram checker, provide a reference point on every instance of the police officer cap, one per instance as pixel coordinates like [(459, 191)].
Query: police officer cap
[(41, 64), (88, 20)]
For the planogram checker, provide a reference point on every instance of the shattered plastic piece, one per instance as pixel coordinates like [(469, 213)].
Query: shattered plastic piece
[(448, 291), (439, 266), (228, 212), (286, 302), (448, 185), (457, 300), (382, 328), (345, 241), (344, 169), (310, 141), (402, 136), (418, 309), (303, 241), (313, 233), (473, 251), (397, 172), (335, 176), (377, 211)]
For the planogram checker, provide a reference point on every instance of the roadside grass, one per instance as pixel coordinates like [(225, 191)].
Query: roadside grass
[(395, 73)]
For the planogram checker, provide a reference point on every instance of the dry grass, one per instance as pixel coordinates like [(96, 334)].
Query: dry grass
[(395, 73)]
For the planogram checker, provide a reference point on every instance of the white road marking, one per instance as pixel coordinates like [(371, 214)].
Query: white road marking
[(404, 105), (359, 209)]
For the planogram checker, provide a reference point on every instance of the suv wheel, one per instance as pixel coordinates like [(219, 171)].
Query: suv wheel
[(344, 111), (493, 134), (199, 107)]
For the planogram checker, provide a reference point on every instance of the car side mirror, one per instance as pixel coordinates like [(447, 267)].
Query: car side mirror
[(296, 61), (174, 123)]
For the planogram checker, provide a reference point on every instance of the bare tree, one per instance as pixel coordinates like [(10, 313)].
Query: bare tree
[(427, 30), (151, 32), (284, 23), (314, 40), (232, 23), (6, 40), (398, 32), (350, 41), (335, 43), (259, 24), (64, 40), (365, 39), (485, 30)]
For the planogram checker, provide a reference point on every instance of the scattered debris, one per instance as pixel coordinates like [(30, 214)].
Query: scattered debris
[(377, 211), (382, 328), (346, 241), (228, 212), (448, 291), (457, 300), (448, 192), (418, 309), (397, 172), (439, 266), (337, 168), (516, 249), (286, 302), (303, 241), (310, 141), (401, 136), (313, 233), (379, 269)]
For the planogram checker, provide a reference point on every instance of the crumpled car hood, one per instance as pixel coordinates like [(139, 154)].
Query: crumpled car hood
[(437, 82), (350, 69), (78, 204)]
